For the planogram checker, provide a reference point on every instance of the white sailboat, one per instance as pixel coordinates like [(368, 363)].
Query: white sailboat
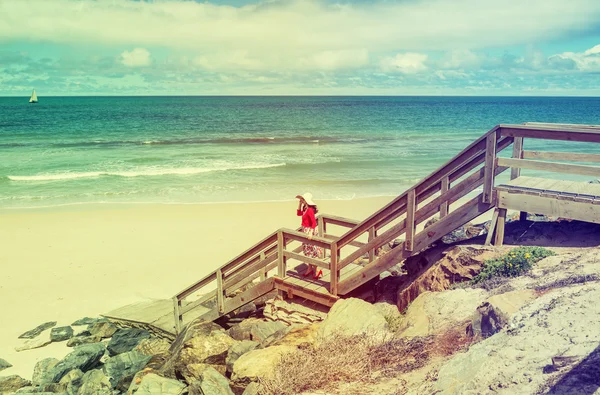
[(33, 98)]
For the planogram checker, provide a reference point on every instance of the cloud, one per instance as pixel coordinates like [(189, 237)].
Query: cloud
[(138, 57), (407, 63)]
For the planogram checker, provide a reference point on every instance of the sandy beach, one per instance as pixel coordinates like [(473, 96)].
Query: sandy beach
[(64, 263)]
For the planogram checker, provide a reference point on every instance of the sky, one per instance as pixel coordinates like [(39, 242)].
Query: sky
[(300, 47)]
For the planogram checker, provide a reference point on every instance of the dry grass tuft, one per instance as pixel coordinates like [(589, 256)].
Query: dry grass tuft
[(451, 341)]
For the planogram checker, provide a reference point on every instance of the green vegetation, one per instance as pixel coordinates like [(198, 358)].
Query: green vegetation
[(513, 264)]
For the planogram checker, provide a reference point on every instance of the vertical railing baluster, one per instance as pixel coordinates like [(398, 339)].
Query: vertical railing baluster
[(517, 154), (372, 250), (281, 266), (333, 269), (220, 291), (178, 316), (410, 220), (444, 189), (490, 165)]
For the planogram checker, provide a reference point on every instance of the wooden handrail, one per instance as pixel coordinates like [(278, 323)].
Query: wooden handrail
[(572, 156), (568, 133), (593, 171)]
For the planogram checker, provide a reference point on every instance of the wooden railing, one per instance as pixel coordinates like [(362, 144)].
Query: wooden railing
[(475, 167)]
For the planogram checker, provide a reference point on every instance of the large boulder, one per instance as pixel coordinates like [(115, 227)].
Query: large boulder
[(10, 384), (4, 364), (295, 335), (35, 332), (95, 382), (81, 340), (61, 333), (493, 314), (72, 381), (437, 269), (349, 317), (42, 370), (88, 321), (290, 312), (153, 384), (124, 340), (83, 358), (433, 312), (237, 350), (124, 366), (258, 363), (255, 329), (562, 323), (157, 349), (210, 382), (102, 329)]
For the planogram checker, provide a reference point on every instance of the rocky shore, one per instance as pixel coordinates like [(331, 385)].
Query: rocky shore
[(424, 328)]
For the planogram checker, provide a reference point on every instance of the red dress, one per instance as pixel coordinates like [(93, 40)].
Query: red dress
[(309, 226)]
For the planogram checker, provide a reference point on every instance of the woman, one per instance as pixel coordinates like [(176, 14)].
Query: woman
[(307, 210)]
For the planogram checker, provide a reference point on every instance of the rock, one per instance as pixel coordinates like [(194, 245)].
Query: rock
[(493, 314), (88, 321), (39, 341), (4, 364), (433, 312), (349, 317), (37, 330), (102, 329), (290, 312), (211, 382), (243, 331), (42, 369), (80, 340), (263, 329), (95, 382), (157, 349), (237, 350), (153, 384), (439, 268), (258, 363), (252, 389), (563, 322), (10, 384), (594, 181), (125, 365), (83, 358), (72, 381), (245, 311), (295, 335), (61, 333), (465, 232), (125, 340)]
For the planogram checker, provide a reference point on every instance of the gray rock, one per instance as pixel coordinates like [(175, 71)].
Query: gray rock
[(252, 389), (210, 382), (493, 314), (37, 330), (10, 384), (125, 340), (156, 349), (258, 363), (102, 329), (88, 321), (95, 383), (255, 329), (237, 350), (153, 384), (81, 340), (39, 341), (4, 364), (595, 181), (353, 316), (83, 358), (61, 333), (72, 381), (125, 365), (42, 369)]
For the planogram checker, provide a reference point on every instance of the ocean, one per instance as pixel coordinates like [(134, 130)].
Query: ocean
[(71, 150)]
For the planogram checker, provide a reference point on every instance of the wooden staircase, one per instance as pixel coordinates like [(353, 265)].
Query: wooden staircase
[(275, 263)]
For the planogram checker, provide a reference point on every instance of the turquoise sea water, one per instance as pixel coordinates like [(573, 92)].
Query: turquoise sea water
[(67, 150)]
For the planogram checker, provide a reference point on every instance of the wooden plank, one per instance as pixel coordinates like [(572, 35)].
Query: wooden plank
[(410, 220), (196, 286), (334, 271), (557, 208), (281, 267), (444, 205), (490, 163), (301, 237), (499, 240), (220, 293), (192, 305), (372, 250), (515, 172), (325, 299), (177, 314), (571, 156), (550, 166), (305, 259), (488, 239), (545, 125), (352, 243), (565, 134), (340, 221), (247, 271)]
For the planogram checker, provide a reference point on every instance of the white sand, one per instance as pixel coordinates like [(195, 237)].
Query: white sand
[(61, 264)]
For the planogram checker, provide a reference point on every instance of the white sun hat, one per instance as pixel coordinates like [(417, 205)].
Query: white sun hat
[(307, 198)]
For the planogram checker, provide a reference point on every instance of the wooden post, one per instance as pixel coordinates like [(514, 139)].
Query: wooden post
[(372, 250), (281, 266), (321, 227), (500, 227), (445, 187), (263, 271), (488, 239), (333, 269), (523, 216), (220, 291), (517, 154), (178, 317), (410, 220), (490, 164)]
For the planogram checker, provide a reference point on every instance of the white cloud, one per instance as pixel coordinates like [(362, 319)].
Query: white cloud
[(407, 63), (137, 57), (588, 60)]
